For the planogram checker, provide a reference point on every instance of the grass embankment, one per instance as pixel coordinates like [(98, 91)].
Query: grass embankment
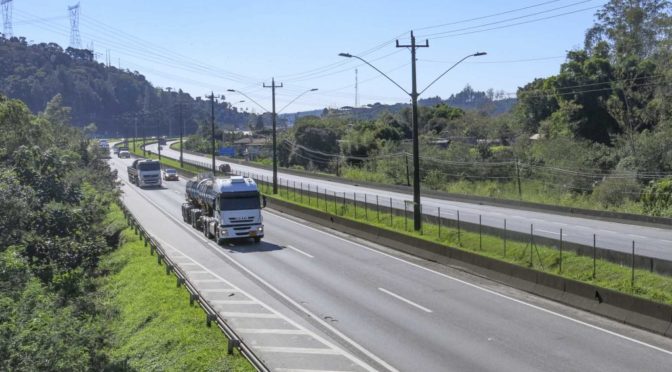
[(609, 275), (168, 162), (151, 323)]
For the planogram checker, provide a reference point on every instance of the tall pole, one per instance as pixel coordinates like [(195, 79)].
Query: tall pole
[(417, 211), (212, 126), (144, 136), (158, 137), (275, 156), (135, 136), (181, 134)]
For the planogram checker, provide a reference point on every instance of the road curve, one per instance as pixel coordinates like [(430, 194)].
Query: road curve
[(399, 312)]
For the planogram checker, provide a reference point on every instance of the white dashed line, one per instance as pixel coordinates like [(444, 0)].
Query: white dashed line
[(297, 350), (405, 300), (300, 251)]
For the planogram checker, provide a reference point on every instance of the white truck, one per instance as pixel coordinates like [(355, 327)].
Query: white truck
[(224, 208), (145, 173)]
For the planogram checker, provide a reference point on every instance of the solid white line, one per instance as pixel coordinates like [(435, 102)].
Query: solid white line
[(300, 251), (641, 343), (405, 300), (219, 290), (232, 302), (197, 272), (249, 315), (305, 370), (272, 331), (206, 281), (550, 232), (318, 319), (297, 350)]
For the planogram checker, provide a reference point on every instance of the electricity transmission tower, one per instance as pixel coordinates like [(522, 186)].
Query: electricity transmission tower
[(7, 18), (75, 40)]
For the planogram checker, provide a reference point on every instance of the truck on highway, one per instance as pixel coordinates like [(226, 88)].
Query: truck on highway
[(145, 173), (224, 208)]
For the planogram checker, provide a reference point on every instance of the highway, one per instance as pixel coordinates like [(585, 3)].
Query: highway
[(345, 304), (650, 241)]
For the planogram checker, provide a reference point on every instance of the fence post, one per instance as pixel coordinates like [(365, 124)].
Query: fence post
[(335, 204), (459, 240), (480, 233), (366, 208), (354, 198), (439, 221), (309, 195), (531, 243), (317, 195), (326, 205), (301, 192), (377, 210), (391, 215), (294, 187), (594, 254), (561, 243), (405, 218), (632, 279)]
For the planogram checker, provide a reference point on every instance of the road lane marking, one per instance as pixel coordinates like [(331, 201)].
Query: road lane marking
[(206, 281), (405, 300), (288, 320), (272, 331), (218, 251), (197, 272), (300, 251), (550, 232), (232, 302), (306, 370), (476, 286), (297, 350), (249, 315), (219, 290)]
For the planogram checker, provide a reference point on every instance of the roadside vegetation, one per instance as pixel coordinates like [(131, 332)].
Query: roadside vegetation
[(69, 300), (151, 325), (596, 135)]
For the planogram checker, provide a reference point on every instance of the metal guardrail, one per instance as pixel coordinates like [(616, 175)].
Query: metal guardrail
[(194, 294)]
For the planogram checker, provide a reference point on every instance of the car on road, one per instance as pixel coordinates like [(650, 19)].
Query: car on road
[(124, 154), (169, 174)]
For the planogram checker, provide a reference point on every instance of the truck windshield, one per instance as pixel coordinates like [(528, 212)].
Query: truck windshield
[(149, 166), (240, 203)]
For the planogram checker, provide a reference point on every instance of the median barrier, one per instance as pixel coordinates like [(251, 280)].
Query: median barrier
[(622, 307)]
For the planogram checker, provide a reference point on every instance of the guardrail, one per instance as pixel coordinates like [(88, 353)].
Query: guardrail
[(194, 295)]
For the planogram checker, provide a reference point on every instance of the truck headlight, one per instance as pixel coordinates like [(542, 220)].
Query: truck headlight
[(260, 229)]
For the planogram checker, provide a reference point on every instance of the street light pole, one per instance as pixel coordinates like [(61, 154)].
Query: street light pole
[(181, 134), (274, 115), (417, 209), (275, 155)]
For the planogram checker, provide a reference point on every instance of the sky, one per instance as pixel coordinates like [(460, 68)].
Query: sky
[(201, 46)]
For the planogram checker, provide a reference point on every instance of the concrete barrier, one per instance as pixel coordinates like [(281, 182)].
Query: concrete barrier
[(622, 307)]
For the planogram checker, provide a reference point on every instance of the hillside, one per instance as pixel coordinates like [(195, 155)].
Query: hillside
[(109, 97)]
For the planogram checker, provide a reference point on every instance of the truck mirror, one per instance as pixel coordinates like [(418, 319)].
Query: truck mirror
[(263, 201)]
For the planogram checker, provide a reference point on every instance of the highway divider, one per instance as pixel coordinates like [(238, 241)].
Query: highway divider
[(629, 309), (211, 315)]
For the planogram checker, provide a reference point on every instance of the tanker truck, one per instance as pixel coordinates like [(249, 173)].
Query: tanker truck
[(224, 208)]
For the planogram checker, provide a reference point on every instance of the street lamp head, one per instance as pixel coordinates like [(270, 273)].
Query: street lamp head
[(478, 54), (346, 55), (314, 90), (231, 90)]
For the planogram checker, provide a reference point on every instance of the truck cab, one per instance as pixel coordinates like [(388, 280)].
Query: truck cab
[(145, 173)]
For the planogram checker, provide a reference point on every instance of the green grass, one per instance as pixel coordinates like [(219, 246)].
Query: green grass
[(609, 275), (152, 325)]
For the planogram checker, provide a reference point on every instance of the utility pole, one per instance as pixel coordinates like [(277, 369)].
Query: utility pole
[(135, 136), (158, 136), (181, 134), (144, 136), (170, 126), (417, 211), (275, 156), (212, 125)]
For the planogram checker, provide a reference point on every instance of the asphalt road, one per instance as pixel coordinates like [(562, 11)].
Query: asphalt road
[(379, 310), (650, 241)]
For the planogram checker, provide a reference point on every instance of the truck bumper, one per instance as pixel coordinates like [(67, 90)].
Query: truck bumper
[(237, 232)]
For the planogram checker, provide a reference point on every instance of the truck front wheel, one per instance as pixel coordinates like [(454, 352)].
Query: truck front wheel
[(257, 239)]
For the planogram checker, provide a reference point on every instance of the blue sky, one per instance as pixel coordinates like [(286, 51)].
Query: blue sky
[(200, 46)]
